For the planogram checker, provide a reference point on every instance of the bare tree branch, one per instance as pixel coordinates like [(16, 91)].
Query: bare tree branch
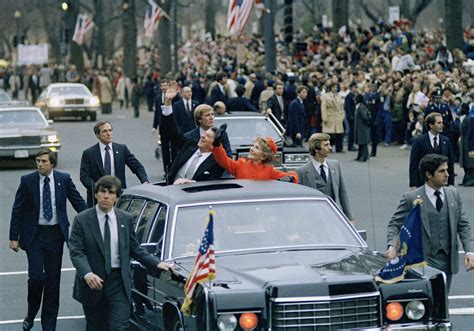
[(421, 6), (373, 17)]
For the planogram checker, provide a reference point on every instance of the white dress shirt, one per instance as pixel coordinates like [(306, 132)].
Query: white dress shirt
[(430, 192), (317, 166), (182, 171), (41, 219), (114, 239), (102, 154), (432, 139)]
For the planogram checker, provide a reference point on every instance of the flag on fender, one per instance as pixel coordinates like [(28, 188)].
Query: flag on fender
[(410, 252), (204, 268)]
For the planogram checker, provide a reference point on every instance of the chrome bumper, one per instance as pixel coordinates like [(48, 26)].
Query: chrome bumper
[(438, 327)]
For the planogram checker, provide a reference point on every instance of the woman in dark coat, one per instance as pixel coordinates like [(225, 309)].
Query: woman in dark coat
[(467, 163), (362, 124)]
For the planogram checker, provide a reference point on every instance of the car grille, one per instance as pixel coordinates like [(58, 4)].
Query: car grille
[(20, 141), (74, 101), (329, 314)]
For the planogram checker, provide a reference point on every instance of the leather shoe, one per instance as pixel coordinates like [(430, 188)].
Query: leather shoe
[(28, 324), (353, 149)]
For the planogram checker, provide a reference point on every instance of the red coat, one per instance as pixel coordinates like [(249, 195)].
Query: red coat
[(246, 169)]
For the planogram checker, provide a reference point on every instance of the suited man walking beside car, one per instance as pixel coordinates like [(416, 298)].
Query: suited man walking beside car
[(101, 245), (443, 219), (184, 110), (39, 225), (107, 158), (325, 174), (428, 143)]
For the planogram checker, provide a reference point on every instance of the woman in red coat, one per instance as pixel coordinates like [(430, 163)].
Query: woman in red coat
[(258, 164)]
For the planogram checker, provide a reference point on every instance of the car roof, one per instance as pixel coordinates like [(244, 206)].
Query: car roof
[(65, 85), (223, 190), (234, 114)]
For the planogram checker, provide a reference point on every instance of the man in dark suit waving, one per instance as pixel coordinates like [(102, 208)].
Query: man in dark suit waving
[(107, 158), (101, 245), (40, 226), (428, 143), (194, 161)]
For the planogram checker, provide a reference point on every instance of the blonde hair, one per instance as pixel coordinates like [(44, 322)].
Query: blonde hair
[(199, 112), (314, 142)]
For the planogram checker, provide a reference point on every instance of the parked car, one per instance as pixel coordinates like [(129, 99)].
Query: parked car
[(68, 100), (286, 259), (244, 127), (24, 131)]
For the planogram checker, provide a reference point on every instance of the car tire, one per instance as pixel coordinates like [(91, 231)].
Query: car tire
[(93, 117)]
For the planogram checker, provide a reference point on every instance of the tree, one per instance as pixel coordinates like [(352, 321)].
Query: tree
[(210, 8), (70, 17), (99, 33), (164, 40), (409, 9), (129, 31), (340, 13), (454, 29)]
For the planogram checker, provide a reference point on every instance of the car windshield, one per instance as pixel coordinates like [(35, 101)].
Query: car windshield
[(22, 117), (242, 131), (262, 225), (71, 90)]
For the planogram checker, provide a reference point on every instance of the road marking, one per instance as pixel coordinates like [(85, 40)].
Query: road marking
[(462, 311), (12, 273), (39, 319), (460, 297)]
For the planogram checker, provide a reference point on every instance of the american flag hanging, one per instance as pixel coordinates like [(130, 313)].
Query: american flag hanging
[(152, 18), (204, 266), (83, 25), (238, 15)]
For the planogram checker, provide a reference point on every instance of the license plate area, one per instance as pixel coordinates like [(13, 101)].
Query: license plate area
[(21, 154)]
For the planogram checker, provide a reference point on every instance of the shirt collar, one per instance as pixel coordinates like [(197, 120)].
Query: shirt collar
[(431, 135), (317, 164), (431, 191), (50, 176), (102, 145), (101, 214)]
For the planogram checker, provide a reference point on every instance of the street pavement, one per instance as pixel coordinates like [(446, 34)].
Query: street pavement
[(374, 187)]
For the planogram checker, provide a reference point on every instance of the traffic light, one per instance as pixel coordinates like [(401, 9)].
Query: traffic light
[(288, 21)]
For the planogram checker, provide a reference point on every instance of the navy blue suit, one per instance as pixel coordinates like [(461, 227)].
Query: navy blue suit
[(43, 244), (194, 134), (184, 118), (217, 95), (296, 121), (92, 167), (240, 104), (470, 135), (373, 102), (422, 146)]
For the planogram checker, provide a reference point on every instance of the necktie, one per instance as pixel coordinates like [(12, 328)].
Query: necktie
[(188, 106), (108, 260), (107, 163), (192, 166), (435, 143), (47, 207), (439, 202), (323, 173)]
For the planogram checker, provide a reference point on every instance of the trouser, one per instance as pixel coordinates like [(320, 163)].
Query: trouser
[(441, 261), (387, 120), (106, 108), (337, 139), (374, 138), (350, 133), (363, 152), (136, 111), (44, 274), (112, 312), (398, 130), (168, 150), (150, 101)]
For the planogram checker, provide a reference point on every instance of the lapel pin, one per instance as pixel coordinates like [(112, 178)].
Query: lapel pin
[(122, 225)]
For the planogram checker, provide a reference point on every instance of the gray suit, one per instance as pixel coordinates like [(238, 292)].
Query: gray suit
[(87, 255), (308, 176), (458, 223)]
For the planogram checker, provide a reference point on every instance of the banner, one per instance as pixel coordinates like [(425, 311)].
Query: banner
[(393, 14), (32, 54)]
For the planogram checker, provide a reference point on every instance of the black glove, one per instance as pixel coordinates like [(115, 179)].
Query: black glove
[(288, 179), (219, 135)]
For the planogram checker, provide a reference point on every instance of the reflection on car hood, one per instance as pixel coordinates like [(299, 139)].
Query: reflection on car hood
[(25, 131), (259, 270)]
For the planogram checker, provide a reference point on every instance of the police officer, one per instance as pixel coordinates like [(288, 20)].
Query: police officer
[(373, 101), (437, 105)]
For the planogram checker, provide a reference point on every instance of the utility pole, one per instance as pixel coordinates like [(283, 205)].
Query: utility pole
[(269, 36), (175, 36)]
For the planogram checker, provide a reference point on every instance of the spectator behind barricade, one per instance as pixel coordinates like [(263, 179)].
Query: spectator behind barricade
[(332, 114), (240, 103), (249, 85), (444, 58), (259, 86), (265, 95), (72, 76), (45, 76), (149, 92), (220, 109), (257, 165), (406, 61), (106, 93), (135, 99)]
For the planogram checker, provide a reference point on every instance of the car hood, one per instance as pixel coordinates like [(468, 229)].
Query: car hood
[(25, 131), (283, 269)]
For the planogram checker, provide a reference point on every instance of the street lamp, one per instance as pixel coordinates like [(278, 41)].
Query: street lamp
[(64, 6), (17, 16)]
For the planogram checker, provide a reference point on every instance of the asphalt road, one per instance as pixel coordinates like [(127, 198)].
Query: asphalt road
[(375, 188)]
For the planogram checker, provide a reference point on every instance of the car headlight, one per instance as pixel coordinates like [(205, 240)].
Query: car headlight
[(55, 102), (94, 101), (296, 158), (227, 322), (52, 138), (415, 310)]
